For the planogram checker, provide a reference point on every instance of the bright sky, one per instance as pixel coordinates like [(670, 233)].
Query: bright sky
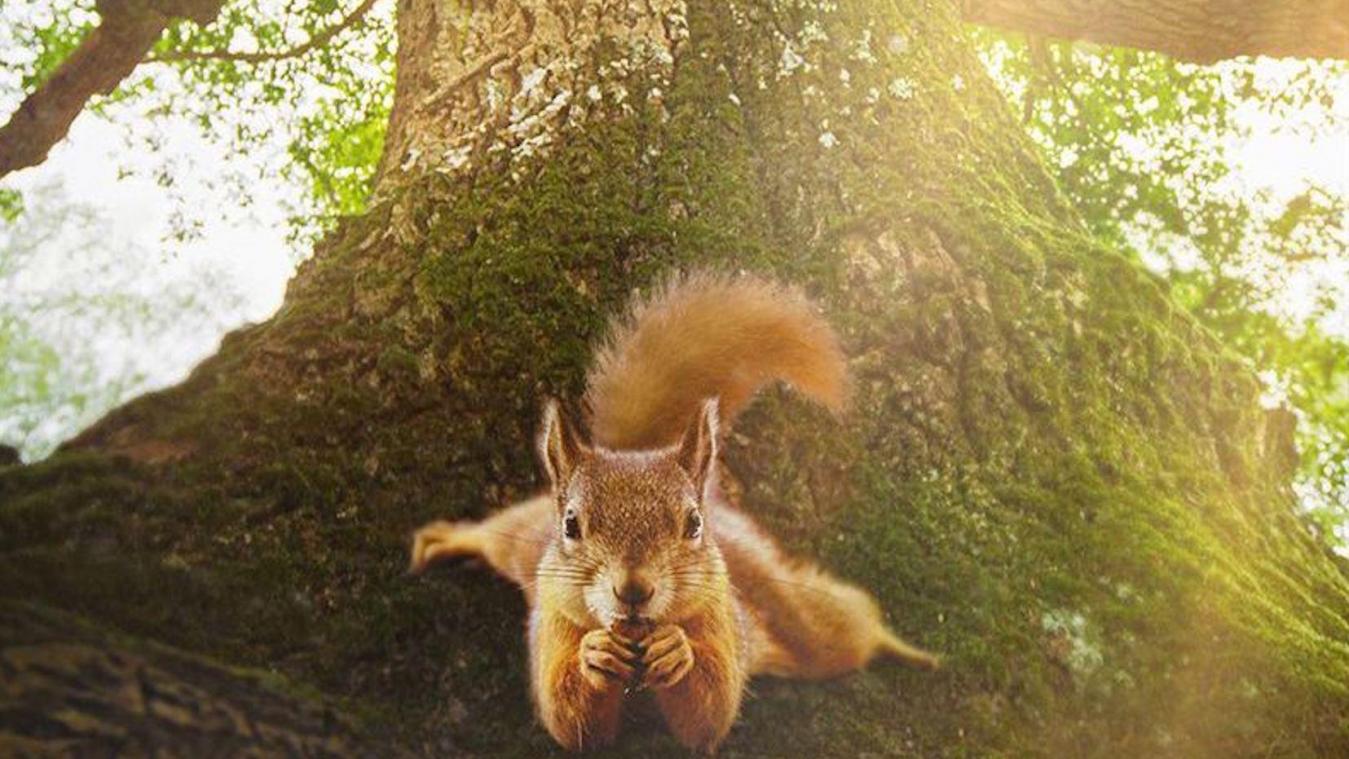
[(233, 272), (1284, 162), (245, 247), (230, 271)]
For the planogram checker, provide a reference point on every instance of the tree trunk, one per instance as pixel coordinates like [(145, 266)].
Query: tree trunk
[(1202, 31), (1050, 473)]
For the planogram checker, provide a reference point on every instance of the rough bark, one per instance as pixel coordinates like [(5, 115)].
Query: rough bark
[(127, 30), (1051, 474), (1202, 31), (74, 690)]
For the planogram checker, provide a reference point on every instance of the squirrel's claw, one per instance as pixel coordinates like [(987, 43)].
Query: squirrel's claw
[(605, 660), (668, 657)]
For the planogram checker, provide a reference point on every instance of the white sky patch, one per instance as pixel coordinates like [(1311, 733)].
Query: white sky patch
[(136, 202), (235, 269), (1284, 161), (246, 246)]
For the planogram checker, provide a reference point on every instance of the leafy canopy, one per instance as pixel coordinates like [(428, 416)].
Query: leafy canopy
[(316, 78), (1163, 160)]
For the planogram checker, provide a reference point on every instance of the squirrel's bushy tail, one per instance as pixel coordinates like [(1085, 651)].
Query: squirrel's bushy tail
[(708, 335)]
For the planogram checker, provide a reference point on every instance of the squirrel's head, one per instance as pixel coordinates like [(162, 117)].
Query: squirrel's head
[(630, 542)]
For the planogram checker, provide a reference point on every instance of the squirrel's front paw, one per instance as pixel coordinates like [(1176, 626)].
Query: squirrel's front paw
[(668, 657), (606, 661)]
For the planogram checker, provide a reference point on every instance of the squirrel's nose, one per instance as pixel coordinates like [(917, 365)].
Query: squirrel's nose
[(634, 592)]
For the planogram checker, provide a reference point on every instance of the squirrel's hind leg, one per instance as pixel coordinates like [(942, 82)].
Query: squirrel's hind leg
[(893, 646), (441, 540), (849, 630), (827, 627), (511, 540)]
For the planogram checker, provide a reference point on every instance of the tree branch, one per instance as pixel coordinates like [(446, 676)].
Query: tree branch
[(318, 40), (114, 690), (127, 30), (1202, 31)]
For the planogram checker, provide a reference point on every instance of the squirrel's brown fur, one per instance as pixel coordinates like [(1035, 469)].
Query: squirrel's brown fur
[(708, 336), (631, 595)]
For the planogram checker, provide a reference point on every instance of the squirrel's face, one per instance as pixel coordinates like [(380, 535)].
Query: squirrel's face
[(630, 542)]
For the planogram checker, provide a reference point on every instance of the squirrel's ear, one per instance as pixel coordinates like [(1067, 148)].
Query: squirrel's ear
[(698, 450), (558, 446)]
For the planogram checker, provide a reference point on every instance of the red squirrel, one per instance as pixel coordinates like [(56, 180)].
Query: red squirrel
[(639, 574)]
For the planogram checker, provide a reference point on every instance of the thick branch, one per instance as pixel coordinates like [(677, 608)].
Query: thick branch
[(1194, 30), (127, 31), (265, 56), (113, 690)]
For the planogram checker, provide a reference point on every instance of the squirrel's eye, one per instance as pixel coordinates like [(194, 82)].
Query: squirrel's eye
[(571, 526), (693, 526)]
